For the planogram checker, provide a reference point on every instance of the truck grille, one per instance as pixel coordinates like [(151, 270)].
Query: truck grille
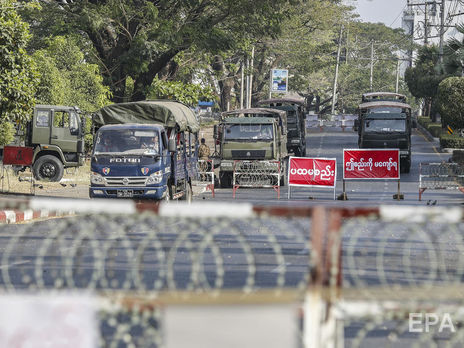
[(130, 181), (248, 154)]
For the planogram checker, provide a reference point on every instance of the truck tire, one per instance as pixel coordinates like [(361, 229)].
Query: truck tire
[(225, 179), (188, 194), (405, 165), (48, 168)]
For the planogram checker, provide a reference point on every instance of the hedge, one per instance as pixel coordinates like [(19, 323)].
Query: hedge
[(424, 121), (434, 129), (451, 141)]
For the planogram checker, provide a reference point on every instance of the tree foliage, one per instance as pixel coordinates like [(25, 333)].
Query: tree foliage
[(139, 38), (66, 78), (17, 73), (451, 101), (187, 93)]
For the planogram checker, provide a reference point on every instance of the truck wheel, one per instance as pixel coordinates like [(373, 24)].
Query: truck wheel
[(48, 168), (226, 180), (406, 166), (188, 194)]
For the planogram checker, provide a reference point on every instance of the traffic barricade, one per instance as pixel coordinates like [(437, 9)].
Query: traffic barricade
[(371, 164), (440, 176), (257, 174), (312, 172), (205, 175), (17, 156)]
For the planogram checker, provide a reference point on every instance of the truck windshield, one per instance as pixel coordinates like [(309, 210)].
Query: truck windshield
[(383, 125), (127, 141), (248, 131), (385, 110)]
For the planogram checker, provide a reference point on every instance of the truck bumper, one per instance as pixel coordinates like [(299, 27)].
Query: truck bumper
[(153, 192)]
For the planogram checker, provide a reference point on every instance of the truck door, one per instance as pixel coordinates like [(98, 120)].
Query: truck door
[(65, 130)]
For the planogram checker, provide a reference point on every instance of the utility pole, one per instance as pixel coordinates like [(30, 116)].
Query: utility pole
[(397, 75), (241, 84), (426, 24), (372, 66), (442, 28), (247, 82), (334, 97), (251, 75)]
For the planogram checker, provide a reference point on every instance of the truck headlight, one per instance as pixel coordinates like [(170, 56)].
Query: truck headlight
[(155, 178), (97, 179)]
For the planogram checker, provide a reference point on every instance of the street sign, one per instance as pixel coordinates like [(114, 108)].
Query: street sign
[(371, 164), (279, 81), (312, 172), (18, 155)]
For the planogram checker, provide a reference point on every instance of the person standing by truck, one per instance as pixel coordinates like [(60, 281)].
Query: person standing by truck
[(203, 155)]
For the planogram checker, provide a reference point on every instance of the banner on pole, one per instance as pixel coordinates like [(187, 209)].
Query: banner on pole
[(279, 81), (371, 164), (314, 172)]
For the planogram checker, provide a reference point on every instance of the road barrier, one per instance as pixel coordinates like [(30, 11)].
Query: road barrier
[(440, 176), (205, 175), (257, 174), (148, 264)]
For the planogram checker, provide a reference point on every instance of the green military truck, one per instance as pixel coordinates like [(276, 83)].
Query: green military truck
[(56, 134), (250, 135), (386, 124), (296, 127)]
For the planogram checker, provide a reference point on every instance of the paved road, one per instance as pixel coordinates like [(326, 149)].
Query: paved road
[(280, 256), (330, 144)]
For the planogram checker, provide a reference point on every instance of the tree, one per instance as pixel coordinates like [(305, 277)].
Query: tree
[(66, 78), (17, 72), (423, 79), (139, 38), (451, 102), (454, 54)]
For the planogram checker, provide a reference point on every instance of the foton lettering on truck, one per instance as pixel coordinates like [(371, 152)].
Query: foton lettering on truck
[(371, 164)]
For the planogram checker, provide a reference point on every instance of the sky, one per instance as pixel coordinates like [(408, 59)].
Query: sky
[(385, 11)]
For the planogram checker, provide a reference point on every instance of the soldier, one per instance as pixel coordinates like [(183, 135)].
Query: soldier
[(203, 155)]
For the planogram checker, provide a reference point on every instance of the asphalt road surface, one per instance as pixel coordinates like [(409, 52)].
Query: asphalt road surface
[(330, 144), (58, 253)]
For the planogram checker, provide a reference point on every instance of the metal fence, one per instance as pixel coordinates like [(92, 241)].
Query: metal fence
[(359, 273), (205, 175), (256, 174), (440, 176)]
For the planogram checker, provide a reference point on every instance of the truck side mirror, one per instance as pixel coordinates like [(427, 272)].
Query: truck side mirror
[(356, 125), (215, 132), (172, 146)]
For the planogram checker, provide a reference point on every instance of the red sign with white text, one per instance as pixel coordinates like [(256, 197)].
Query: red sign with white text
[(316, 172), (371, 164), (18, 155)]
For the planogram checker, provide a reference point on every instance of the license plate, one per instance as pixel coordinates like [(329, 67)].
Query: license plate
[(125, 193)]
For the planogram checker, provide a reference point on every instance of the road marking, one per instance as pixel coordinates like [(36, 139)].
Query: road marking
[(427, 140)]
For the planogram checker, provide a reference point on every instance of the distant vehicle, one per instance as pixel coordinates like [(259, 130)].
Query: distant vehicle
[(296, 128), (386, 124), (383, 96), (251, 134), (56, 134), (144, 150)]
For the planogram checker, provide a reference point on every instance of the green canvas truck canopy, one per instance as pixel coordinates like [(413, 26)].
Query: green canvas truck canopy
[(165, 112)]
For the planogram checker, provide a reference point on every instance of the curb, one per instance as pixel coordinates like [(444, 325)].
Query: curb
[(15, 216)]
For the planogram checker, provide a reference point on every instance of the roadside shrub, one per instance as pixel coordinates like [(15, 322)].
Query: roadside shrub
[(458, 156), (451, 141), (424, 121), (451, 102), (434, 129), (6, 132)]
